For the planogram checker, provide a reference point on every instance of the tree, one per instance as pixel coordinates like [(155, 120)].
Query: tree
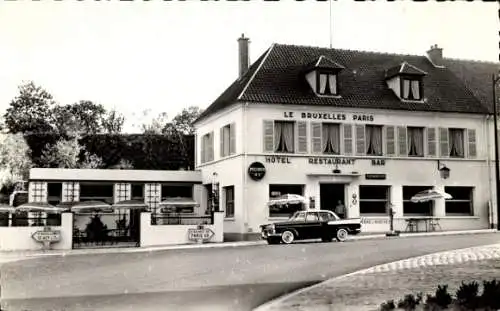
[(112, 122), (15, 155), (81, 117), (67, 154), (183, 121), (156, 125), (30, 111)]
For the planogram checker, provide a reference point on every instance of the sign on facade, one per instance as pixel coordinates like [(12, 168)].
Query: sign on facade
[(47, 236), (200, 234), (256, 171)]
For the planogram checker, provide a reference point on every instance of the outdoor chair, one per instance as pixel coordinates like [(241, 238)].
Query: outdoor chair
[(434, 225)]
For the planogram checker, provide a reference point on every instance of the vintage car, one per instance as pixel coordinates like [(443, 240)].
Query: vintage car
[(311, 224)]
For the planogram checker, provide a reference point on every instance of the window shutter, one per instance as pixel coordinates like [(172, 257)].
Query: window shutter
[(302, 137), (390, 140), (431, 142), (221, 139), (471, 136), (232, 138), (360, 140), (196, 149), (402, 143), (203, 150), (348, 139), (316, 137), (443, 142), (211, 146), (268, 135)]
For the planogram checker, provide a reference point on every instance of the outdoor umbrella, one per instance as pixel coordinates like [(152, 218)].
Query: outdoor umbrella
[(130, 204), (91, 206), (288, 199), (170, 203), (40, 208), (4, 208), (429, 195)]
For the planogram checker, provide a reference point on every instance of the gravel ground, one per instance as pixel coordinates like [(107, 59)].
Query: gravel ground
[(368, 291)]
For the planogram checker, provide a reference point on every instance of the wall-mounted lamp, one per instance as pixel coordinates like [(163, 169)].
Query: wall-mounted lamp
[(444, 171), (336, 170)]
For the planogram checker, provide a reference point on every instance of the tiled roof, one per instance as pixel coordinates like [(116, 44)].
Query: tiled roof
[(462, 86), (324, 62)]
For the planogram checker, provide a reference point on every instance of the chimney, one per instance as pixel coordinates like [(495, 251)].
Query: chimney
[(244, 57), (435, 54)]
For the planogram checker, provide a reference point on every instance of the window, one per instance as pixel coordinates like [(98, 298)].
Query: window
[(312, 217), (327, 84), (54, 193), (229, 191), (456, 142), (172, 191), (96, 191), (461, 202), (330, 138), (70, 191), (38, 191), (417, 209), (227, 140), (415, 136), (137, 192), (284, 136), (325, 216), (373, 199), (412, 89), (122, 191), (276, 191), (207, 147), (373, 136), (153, 197)]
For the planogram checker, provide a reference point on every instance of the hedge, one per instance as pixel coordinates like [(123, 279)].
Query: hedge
[(144, 151)]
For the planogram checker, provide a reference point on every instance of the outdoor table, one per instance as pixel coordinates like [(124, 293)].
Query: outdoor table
[(430, 223)]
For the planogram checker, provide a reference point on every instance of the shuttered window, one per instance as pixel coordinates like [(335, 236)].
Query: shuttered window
[(227, 140), (360, 140), (302, 137), (431, 142), (348, 139), (316, 137), (471, 139), (443, 142), (207, 148), (268, 130), (390, 140), (402, 143), (456, 142)]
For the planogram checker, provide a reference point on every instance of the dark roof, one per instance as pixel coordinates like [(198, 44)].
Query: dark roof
[(323, 62), (461, 86)]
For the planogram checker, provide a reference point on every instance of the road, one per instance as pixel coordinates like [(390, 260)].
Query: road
[(222, 279)]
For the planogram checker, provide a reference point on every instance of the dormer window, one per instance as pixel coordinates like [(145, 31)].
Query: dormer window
[(412, 89), (406, 81), (327, 83), (323, 76)]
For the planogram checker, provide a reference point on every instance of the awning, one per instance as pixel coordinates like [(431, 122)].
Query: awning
[(179, 201), (91, 206), (40, 207)]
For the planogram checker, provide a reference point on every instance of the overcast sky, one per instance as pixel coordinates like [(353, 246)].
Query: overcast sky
[(166, 55)]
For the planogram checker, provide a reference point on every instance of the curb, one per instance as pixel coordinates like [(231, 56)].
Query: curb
[(275, 302), (15, 256)]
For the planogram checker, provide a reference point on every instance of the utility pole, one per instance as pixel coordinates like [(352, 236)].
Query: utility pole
[(495, 79)]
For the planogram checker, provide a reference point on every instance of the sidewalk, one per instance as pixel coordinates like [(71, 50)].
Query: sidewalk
[(367, 289), (20, 255)]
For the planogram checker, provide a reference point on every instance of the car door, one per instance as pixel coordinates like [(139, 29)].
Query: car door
[(325, 217), (312, 229)]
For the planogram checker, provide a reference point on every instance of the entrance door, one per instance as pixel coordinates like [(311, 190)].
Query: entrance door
[(330, 195)]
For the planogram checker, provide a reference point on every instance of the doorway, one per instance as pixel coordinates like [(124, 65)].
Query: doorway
[(330, 194)]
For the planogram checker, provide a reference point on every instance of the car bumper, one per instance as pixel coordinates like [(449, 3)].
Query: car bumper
[(265, 235)]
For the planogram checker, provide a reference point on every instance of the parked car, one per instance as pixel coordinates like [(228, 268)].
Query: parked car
[(313, 224)]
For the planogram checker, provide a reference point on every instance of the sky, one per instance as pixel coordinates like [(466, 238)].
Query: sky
[(163, 56)]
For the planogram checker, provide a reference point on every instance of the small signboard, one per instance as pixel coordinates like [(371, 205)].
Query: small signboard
[(376, 176), (201, 234), (47, 236)]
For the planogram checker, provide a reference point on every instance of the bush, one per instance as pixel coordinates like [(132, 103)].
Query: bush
[(467, 295), (386, 306), (491, 295), (410, 302)]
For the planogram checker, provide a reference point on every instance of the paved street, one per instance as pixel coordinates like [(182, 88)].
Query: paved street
[(207, 279)]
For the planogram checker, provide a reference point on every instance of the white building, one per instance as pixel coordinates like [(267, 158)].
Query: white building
[(367, 129)]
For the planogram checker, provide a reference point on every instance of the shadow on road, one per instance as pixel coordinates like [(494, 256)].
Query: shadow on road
[(221, 298)]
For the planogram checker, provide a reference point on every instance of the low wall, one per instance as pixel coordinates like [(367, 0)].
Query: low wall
[(449, 223), (20, 238), (156, 235)]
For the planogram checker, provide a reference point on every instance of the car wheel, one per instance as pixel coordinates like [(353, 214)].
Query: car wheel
[(273, 241), (288, 237), (341, 235)]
